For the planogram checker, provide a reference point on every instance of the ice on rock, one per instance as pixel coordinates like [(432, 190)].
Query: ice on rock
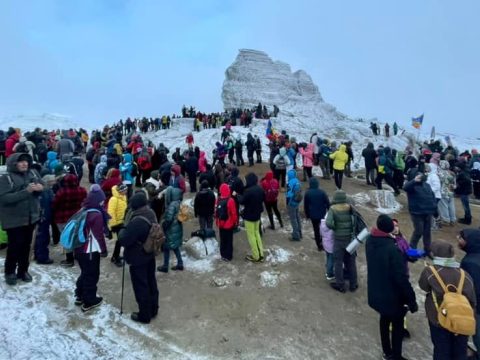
[(384, 201), (199, 249)]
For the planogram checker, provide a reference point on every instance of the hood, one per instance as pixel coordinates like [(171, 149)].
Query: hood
[(103, 159), (14, 136), (444, 165), (224, 190), (313, 183), (51, 155), (70, 181), (14, 159), (292, 174), (380, 151), (269, 175), (311, 147), (340, 197), (176, 169), (251, 179), (174, 194), (375, 232), (283, 151), (94, 198), (387, 151), (342, 148), (435, 158), (116, 193), (472, 237), (127, 158), (115, 173), (370, 146), (476, 165)]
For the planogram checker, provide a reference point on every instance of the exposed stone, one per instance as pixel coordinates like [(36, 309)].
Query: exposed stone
[(198, 249)]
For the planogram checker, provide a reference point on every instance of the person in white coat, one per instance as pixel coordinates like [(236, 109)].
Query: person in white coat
[(434, 181)]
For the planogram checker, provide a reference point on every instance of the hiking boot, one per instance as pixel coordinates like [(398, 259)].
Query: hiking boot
[(466, 221), (272, 227), (329, 277), (337, 287), (262, 259), (406, 334), (45, 262), (89, 306), (294, 239), (251, 259), (25, 277), (177, 268), (78, 301), (353, 288), (67, 263), (135, 316), (163, 269), (11, 279), (387, 357), (118, 262)]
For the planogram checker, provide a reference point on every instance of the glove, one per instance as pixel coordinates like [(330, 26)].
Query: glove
[(413, 307)]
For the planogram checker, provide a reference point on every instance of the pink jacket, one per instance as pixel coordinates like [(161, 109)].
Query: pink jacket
[(327, 237), (202, 162), (307, 155)]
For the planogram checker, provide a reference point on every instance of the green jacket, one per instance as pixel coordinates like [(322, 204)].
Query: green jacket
[(339, 218), (18, 207), (173, 228)]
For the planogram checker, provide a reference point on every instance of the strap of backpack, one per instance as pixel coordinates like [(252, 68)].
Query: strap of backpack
[(461, 282), (144, 219), (439, 279)]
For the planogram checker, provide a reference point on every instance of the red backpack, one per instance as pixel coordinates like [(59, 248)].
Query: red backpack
[(271, 191), (144, 163)]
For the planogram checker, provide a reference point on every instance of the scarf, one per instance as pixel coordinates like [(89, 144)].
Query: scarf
[(446, 262)]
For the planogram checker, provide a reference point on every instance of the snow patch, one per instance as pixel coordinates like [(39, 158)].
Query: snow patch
[(271, 278), (278, 255)]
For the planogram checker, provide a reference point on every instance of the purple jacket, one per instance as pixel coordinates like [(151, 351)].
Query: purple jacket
[(327, 237)]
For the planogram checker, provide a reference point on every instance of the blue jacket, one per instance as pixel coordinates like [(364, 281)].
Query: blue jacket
[(315, 202), (421, 199), (126, 168), (292, 186)]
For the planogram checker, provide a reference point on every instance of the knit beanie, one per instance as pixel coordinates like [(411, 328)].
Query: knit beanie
[(443, 249), (138, 200), (385, 223), (204, 185), (96, 195)]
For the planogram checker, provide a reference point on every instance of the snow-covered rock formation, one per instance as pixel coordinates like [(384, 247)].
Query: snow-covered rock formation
[(44, 121)]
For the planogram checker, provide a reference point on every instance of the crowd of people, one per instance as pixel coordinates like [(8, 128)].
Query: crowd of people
[(135, 183)]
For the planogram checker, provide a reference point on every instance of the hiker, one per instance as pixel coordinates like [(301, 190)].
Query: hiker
[(117, 207), (226, 218), (293, 197), (172, 228), (271, 188), (191, 168), (20, 189), (42, 238), (340, 159), (421, 206), (446, 206), (316, 205), (446, 344), (463, 190), (67, 201), (307, 159), (88, 255), (204, 206), (370, 156), (252, 201), (142, 265), (327, 235), (339, 219), (469, 242), (389, 290), (281, 162)]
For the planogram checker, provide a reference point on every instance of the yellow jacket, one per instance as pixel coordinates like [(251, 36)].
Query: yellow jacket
[(117, 206), (84, 137), (118, 148), (340, 158)]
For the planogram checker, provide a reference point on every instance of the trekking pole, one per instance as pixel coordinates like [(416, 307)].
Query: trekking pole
[(123, 286)]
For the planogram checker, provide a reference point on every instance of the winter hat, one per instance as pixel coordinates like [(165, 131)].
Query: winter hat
[(339, 197), (442, 249), (204, 185), (385, 223), (122, 188), (22, 139), (154, 174), (96, 195), (138, 200)]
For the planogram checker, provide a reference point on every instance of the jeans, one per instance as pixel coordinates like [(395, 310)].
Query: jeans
[(325, 166), (280, 175), (226, 243), (343, 259), (338, 174), (166, 256), (446, 345), (329, 265), (89, 273), (316, 232), (466, 206), (254, 238), (446, 209), (18, 250), (295, 221), (393, 347), (205, 222), (307, 173), (421, 228), (269, 206), (145, 288)]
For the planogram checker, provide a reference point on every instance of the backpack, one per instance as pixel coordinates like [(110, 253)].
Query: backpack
[(134, 169), (73, 235), (70, 168), (21, 148), (271, 193), (455, 313), (143, 163), (155, 239), (281, 164), (221, 210), (357, 221), (297, 194), (183, 213)]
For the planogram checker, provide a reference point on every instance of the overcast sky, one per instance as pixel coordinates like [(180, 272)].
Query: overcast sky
[(100, 60)]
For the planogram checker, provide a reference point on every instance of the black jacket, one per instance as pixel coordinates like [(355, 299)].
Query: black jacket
[(370, 155), (210, 177), (135, 234), (464, 183), (191, 165), (388, 286), (252, 199), (316, 202), (471, 262), (421, 199), (204, 203)]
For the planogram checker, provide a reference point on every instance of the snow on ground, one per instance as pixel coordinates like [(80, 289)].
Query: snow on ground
[(40, 321), (277, 255), (28, 122)]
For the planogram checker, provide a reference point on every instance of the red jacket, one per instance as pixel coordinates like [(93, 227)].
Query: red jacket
[(10, 143), (68, 199), (231, 222), (107, 185), (269, 182)]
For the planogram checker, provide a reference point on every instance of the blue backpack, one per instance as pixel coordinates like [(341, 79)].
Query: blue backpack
[(73, 235)]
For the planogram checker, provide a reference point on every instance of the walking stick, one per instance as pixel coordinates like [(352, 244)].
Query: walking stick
[(123, 286)]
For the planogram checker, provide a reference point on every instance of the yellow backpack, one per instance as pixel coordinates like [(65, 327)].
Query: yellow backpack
[(455, 313)]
